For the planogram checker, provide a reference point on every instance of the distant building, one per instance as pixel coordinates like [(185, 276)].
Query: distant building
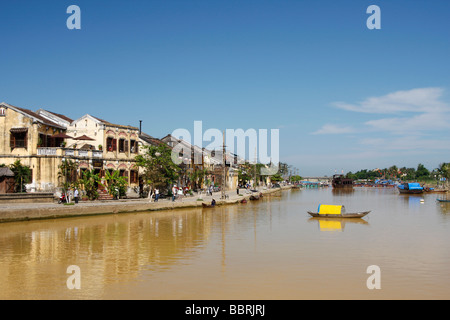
[(196, 158)]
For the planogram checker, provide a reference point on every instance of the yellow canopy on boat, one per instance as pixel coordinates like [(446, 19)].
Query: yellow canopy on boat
[(331, 209)]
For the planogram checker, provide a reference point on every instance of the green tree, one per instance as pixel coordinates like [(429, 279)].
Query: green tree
[(159, 169), (444, 171), (245, 173), (22, 175), (422, 172), (407, 173), (68, 173), (296, 178), (115, 184), (197, 176), (90, 181), (276, 178)]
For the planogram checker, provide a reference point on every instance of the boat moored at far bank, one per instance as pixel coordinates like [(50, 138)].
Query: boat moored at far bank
[(410, 188)]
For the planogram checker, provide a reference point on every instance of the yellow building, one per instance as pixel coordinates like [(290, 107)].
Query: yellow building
[(94, 144), (114, 146), (25, 136)]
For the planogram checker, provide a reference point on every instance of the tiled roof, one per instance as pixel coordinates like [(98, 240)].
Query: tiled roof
[(115, 125), (61, 116), (149, 139), (36, 116)]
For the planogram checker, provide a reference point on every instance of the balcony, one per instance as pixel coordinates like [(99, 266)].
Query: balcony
[(47, 151), (70, 153)]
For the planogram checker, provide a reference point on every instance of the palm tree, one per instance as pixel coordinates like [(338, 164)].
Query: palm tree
[(444, 171), (68, 172), (115, 184), (90, 182), (22, 174)]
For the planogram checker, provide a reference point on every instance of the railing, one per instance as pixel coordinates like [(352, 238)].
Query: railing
[(69, 152), (97, 154), (83, 153), (46, 151)]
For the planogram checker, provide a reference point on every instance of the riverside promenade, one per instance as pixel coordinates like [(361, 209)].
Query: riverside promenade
[(10, 212)]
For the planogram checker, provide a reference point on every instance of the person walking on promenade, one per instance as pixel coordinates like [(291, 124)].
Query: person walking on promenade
[(76, 194), (174, 192), (156, 194)]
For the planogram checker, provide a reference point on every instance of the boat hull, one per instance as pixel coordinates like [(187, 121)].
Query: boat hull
[(345, 215), (403, 191)]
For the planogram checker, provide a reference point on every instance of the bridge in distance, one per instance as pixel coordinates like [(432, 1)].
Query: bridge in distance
[(318, 179)]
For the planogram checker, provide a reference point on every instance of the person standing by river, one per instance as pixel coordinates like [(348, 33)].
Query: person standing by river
[(76, 195)]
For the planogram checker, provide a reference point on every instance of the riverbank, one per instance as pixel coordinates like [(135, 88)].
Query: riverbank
[(12, 212)]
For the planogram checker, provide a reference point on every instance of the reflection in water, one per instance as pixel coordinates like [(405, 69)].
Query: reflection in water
[(111, 249), (336, 224), (264, 249), (343, 191), (444, 207)]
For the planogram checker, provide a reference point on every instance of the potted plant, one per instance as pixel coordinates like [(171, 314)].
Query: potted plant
[(100, 147)]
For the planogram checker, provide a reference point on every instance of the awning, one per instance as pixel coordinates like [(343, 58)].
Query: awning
[(84, 137), (6, 172), (18, 130), (62, 135)]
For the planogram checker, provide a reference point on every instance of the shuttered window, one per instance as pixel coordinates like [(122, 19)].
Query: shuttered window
[(18, 138)]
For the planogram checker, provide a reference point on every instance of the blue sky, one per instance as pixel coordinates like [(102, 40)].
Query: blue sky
[(344, 97)]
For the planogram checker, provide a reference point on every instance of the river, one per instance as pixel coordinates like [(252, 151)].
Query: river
[(268, 249)]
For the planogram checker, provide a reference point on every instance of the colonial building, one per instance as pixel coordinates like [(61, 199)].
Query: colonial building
[(23, 136), (42, 140), (99, 145), (195, 158)]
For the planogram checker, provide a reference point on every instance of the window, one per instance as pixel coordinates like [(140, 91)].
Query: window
[(134, 147), (123, 145), (111, 144), (19, 138), (124, 173), (2, 111), (134, 176)]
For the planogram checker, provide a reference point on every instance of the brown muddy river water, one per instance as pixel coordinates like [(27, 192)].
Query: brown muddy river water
[(267, 249)]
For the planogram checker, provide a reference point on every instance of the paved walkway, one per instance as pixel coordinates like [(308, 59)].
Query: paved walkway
[(29, 211)]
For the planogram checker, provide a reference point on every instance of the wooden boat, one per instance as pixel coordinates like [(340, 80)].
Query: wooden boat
[(252, 197), (340, 182), (344, 215), (410, 188), (332, 211), (204, 205), (430, 190), (443, 200), (243, 201)]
